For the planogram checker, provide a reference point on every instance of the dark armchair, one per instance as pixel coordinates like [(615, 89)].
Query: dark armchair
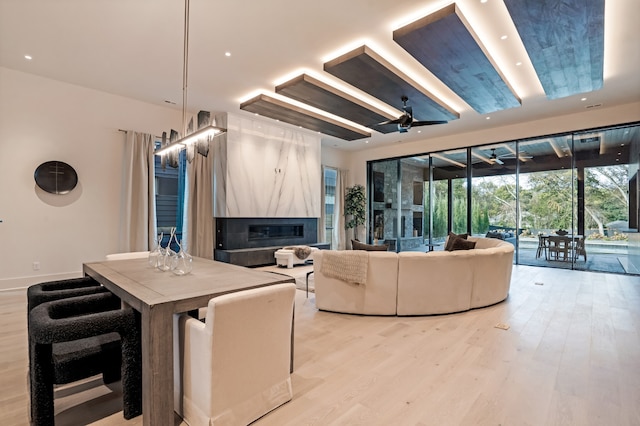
[(79, 337), (55, 290)]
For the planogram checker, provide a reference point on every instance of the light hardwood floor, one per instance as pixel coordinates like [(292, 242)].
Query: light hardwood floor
[(570, 357)]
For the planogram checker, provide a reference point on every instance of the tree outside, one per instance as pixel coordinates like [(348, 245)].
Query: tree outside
[(355, 207), (546, 202)]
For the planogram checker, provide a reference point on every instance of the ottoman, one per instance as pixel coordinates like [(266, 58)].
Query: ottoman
[(295, 255)]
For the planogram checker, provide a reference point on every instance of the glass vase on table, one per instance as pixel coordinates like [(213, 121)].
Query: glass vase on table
[(182, 262), (166, 261), (157, 253)]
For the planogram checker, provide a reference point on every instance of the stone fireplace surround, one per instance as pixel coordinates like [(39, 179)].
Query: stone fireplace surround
[(253, 241)]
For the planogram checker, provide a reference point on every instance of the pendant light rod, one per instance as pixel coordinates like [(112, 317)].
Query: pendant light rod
[(185, 68), (208, 131)]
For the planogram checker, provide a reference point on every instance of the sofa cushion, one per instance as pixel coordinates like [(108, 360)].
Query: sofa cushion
[(451, 238), (460, 244), (357, 245)]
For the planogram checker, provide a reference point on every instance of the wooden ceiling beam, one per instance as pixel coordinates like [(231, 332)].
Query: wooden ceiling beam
[(278, 109)]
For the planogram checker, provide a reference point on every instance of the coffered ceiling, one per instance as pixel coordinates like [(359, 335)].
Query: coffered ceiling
[(341, 68)]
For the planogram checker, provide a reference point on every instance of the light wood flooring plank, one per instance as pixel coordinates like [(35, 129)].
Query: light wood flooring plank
[(570, 357)]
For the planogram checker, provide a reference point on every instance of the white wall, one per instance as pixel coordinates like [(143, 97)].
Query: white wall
[(588, 119), (43, 120)]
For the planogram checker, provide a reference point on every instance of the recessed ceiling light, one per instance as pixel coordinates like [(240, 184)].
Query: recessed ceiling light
[(483, 1), (227, 54), (419, 131), (488, 118), (366, 141), (28, 57), (583, 99), (504, 37), (518, 64)]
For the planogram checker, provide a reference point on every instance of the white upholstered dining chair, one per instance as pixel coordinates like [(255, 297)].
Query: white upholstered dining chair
[(234, 367), (130, 255)]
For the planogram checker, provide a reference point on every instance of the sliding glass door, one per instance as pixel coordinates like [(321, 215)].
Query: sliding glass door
[(547, 199), (494, 209), (565, 201)]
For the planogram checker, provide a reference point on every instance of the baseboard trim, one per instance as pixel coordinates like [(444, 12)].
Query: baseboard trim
[(20, 283)]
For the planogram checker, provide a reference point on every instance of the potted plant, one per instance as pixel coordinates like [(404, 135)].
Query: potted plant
[(355, 208)]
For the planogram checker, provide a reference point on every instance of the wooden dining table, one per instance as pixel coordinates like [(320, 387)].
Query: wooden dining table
[(158, 296)]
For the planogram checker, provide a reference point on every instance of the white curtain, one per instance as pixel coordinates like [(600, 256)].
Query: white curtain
[(322, 235), (138, 209), (199, 205)]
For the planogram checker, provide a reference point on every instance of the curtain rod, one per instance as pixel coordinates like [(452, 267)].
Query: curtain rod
[(155, 136)]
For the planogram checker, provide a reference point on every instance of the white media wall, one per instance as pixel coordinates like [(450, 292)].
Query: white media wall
[(266, 170), (44, 236)]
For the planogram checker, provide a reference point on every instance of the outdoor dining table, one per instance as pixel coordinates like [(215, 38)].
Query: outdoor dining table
[(569, 240), (158, 296)]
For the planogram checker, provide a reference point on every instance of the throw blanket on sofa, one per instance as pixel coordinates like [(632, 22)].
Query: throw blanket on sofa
[(301, 252), (349, 266)]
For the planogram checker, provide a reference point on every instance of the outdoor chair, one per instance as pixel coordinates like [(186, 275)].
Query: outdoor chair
[(76, 338), (559, 248), (543, 245), (579, 250)]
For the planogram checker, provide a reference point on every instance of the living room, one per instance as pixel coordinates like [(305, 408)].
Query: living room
[(46, 237)]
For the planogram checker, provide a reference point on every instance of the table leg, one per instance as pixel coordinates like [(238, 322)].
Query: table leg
[(308, 273), (157, 365)]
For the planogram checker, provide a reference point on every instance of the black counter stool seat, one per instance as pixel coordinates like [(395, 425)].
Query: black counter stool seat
[(79, 337)]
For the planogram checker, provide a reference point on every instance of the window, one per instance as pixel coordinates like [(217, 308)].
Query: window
[(330, 176), (170, 187), (583, 183)]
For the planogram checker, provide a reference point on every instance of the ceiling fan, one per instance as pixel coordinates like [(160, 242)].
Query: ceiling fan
[(494, 158), (406, 121)]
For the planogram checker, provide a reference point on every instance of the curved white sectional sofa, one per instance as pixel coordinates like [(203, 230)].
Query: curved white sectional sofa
[(415, 283)]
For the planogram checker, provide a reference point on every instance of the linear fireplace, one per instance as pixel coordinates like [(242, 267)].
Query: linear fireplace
[(262, 232), (253, 241)]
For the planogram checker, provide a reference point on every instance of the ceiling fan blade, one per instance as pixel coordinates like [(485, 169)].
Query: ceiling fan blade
[(428, 122), (499, 161), (384, 123), (522, 155)]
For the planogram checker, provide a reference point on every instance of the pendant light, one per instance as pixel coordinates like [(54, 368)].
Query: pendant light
[(208, 131)]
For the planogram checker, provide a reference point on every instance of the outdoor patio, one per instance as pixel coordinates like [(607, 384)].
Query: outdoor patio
[(602, 256)]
